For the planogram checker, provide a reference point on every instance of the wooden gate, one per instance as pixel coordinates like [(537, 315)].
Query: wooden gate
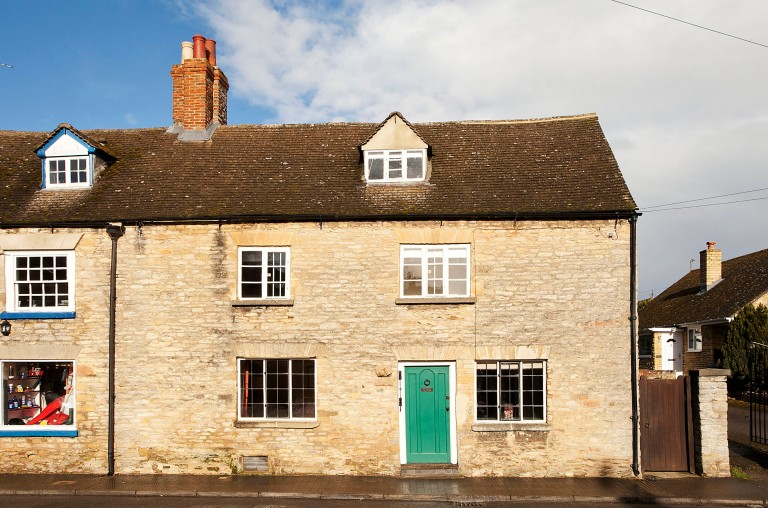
[(666, 424)]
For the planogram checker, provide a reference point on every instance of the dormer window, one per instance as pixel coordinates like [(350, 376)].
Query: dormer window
[(70, 159), (395, 165), (395, 153), (67, 171)]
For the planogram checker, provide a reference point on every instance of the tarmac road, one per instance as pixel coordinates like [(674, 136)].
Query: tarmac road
[(751, 458)]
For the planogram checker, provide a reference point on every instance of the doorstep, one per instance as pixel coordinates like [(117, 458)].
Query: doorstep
[(429, 470)]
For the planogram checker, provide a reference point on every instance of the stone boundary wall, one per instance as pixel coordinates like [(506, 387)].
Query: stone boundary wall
[(710, 421)]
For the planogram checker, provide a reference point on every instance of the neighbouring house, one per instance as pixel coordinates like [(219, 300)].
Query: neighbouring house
[(683, 328), (344, 298)]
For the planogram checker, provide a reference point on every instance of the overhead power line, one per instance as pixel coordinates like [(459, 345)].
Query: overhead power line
[(689, 23), (648, 208), (702, 206)]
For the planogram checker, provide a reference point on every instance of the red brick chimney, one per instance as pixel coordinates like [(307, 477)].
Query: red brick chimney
[(199, 86), (710, 267)]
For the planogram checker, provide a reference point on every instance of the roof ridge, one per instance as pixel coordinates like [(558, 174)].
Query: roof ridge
[(564, 118)]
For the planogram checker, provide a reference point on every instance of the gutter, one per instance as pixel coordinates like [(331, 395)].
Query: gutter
[(115, 231), (633, 339), (248, 219)]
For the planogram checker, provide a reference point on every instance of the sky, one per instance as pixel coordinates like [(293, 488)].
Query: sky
[(685, 109)]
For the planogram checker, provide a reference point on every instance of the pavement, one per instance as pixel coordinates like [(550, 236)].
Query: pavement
[(676, 490), (654, 489)]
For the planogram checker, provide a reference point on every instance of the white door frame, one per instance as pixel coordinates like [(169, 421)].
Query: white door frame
[(401, 394), (672, 351)]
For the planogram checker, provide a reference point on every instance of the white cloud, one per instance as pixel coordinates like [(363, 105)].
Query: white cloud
[(131, 120), (683, 107)]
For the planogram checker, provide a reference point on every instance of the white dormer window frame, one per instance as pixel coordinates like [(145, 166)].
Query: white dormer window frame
[(406, 165), (72, 172), (68, 161)]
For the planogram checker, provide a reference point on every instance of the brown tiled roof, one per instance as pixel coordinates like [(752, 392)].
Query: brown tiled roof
[(744, 280), (560, 166)]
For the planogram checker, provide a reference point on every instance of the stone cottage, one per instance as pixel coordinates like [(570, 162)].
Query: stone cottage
[(347, 298)]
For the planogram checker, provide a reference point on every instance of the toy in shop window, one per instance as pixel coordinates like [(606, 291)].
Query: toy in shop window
[(56, 412)]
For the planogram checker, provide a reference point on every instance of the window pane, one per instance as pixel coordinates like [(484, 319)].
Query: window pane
[(251, 274), (415, 166), (395, 167), (487, 402), (375, 169), (250, 290), (411, 288), (251, 257), (252, 388), (510, 391), (303, 394)]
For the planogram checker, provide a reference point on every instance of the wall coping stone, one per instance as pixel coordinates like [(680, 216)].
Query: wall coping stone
[(712, 372)]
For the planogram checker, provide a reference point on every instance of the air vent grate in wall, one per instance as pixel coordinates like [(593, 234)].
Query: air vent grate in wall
[(255, 463)]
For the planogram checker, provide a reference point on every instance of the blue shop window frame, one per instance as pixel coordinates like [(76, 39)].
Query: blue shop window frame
[(38, 433), (38, 315)]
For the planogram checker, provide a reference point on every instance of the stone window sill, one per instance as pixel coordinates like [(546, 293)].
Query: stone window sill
[(263, 302), (511, 427), (277, 424), (464, 300)]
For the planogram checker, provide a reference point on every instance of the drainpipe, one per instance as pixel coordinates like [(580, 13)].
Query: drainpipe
[(115, 231), (633, 337)]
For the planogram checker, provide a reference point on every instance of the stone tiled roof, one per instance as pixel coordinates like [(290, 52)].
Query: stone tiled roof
[(552, 167), (744, 280)]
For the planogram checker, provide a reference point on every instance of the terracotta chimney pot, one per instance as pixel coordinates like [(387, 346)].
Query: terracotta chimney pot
[(210, 47), (199, 46)]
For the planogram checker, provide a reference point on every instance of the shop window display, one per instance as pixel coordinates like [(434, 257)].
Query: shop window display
[(38, 393)]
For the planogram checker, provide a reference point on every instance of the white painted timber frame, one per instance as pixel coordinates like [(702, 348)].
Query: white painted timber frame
[(264, 272), (389, 156), (11, 301), (422, 252)]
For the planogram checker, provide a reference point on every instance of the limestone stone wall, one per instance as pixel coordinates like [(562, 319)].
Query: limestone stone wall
[(82, 340), (557, 291), (711, 422)]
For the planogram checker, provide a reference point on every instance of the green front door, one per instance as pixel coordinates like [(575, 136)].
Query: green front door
[(427, 413)]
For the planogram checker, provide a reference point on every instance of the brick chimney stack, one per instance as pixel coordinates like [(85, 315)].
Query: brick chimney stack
[(710, 267), (199, 87)]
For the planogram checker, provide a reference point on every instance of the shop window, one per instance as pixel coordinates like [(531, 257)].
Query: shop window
[(276, 389), (39, 394), (511, 391)]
